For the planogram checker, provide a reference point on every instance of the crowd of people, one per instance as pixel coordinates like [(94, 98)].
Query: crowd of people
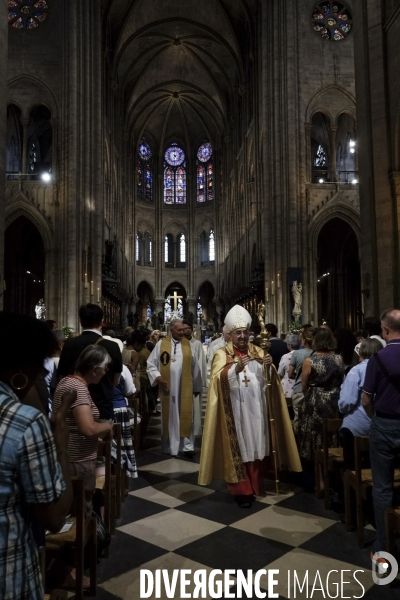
[(59, 396)]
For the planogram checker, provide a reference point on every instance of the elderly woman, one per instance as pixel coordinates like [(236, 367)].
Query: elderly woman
[(91, 366), (356, 422), (322, 376), (293, 343), (34, 472)]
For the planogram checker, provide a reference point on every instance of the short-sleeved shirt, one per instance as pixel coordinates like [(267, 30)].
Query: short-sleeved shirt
[(354, 416), (386, 396), (80, 447), (102, 392), (287, 384), (29, 474), (298, 357)]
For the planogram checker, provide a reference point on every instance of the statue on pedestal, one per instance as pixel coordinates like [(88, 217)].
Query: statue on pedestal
[(297, 297), (261, 316), (40, 310)]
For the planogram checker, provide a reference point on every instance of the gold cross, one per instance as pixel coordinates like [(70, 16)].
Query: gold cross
[(175, 298), (245, 380)]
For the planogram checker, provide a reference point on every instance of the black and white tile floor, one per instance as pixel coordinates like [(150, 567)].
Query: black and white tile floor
[(170, 522)]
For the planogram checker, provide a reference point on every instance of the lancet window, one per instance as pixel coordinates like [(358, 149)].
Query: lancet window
[(174, 175), (205, 173), (144, 173)]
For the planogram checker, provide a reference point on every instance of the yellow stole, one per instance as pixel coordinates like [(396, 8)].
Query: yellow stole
[(186, 410)]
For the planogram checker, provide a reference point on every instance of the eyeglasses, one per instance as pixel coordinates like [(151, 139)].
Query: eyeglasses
[(105, 369)]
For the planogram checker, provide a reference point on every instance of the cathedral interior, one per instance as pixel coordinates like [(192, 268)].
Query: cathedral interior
[(161, 156)]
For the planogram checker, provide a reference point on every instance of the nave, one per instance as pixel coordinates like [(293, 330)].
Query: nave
[(170, 522)]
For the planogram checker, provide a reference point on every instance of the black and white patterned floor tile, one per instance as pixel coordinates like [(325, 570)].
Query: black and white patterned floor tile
[(170, 522)]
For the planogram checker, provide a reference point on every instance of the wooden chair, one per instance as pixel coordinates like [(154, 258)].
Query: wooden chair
[(327, 458), (135, 428), (106, 484), (118, 471), (82, 533), (360, 480), (392, 526)]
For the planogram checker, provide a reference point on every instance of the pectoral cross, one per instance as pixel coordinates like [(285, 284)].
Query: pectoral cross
[(175, 298), (245, 380)]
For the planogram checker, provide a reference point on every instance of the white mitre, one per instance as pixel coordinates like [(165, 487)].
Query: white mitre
[(237, 318)]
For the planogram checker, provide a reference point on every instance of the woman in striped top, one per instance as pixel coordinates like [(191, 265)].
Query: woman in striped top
[(91, 366)]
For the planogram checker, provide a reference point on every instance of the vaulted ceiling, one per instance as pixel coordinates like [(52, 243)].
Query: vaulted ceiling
[(177, 64)]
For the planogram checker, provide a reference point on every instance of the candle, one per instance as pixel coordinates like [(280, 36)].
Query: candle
[(86, 281), (266, 294), (91, 288), (273, 288), (279, 281), (98, 294)]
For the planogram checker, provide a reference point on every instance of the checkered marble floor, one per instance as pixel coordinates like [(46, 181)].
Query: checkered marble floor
[(170, 522)]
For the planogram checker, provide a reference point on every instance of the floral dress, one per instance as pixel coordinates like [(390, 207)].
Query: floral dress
[(320, 400)]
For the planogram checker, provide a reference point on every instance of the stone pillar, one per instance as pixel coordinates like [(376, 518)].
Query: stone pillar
[(81, 147), (3, 129)]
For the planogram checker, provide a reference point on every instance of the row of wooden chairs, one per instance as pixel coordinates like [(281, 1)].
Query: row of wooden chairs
[(83, 533), (359, 481)]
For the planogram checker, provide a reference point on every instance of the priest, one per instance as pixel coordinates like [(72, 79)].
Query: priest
[(201, 358), (173, 366), (214, 346), (236, 438)]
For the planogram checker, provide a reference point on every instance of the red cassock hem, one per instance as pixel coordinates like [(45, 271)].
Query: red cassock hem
[(254, 482)]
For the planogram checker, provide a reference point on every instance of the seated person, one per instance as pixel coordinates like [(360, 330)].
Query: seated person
[(356, 422)]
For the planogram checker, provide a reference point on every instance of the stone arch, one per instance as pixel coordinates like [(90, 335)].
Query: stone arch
[(144, 225), (331, 100), (338, 274), (175, 228), (18, 206), (24, 265), (39, 93), (336, 207)]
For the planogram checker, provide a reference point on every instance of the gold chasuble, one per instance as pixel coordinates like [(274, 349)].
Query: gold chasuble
[(186, 408), (220, 453)]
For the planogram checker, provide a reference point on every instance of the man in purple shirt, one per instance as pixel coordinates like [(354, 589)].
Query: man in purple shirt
[(381, 400)]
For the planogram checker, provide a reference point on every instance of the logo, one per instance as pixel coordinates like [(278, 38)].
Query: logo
[(384, 571), (165, 358)]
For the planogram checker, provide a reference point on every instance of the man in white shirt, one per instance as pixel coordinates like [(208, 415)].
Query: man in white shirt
[(174, 367), (201, 357), (214, 346)]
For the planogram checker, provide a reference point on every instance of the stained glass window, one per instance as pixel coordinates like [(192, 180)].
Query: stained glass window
[(204, 153), (205, 174), (144, 173), (174, 156), (166, 248), (138, 249), (320, 157), (211, 246), (27, 14), (148, 249), (32, 156), (169, 250), (174, 176), (182, 249), (331, 20)]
